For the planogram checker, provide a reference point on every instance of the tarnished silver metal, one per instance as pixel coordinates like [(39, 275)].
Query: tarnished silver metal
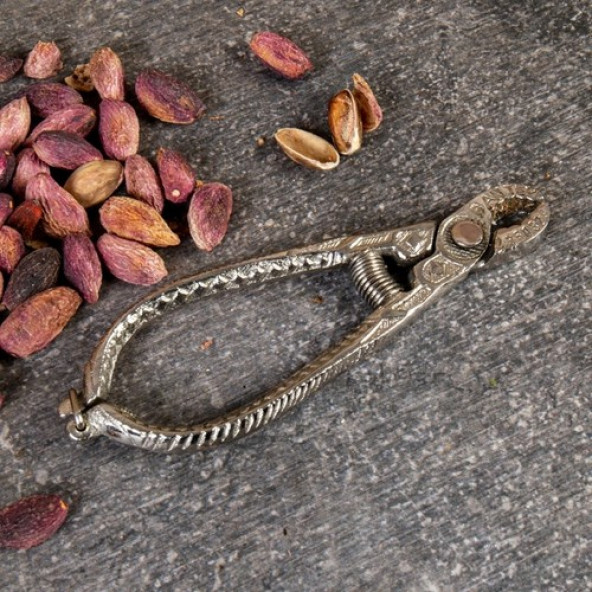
[(438, 257)]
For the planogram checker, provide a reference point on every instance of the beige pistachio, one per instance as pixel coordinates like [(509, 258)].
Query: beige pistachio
[(307, 149), (370, 111), (345, 123), (94, 182), (80, 79)]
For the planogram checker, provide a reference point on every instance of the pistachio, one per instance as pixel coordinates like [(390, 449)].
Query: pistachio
[(35, 272), (7, 166), (370, 111), (78, 119), (64, 150), (80, 79), (307, 149), (94, 182), (176, 175), (9, 67), (106, 73), (209, 213), (5, 207), (28, 165), (82, 267), (62, 214), (25, 218), (32, 520), (167, 98), (133, 219), (36, 322), (119, 129), (141, 182), (280, 54), (12, 248), (130, 261), (345, 123), (15, 120), (43, 61), (45, 98)]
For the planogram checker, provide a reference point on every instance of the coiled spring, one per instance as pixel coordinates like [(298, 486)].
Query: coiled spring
[(373, 280)]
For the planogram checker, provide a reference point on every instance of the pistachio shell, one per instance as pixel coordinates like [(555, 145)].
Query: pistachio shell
[(307, 149), (370, 111), (345, 123)]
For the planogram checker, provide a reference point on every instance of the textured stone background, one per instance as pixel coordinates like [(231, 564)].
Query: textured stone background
[(457, 459)]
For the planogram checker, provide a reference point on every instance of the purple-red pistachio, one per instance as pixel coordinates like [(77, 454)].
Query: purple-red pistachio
[(133, 219), (94, 182), (9, 67), (176, 175), (78, 119), (62, 214), (12, 248), (43, 61), (6, 206), (25, 218), (106, 73), (45, 98), (130, 261), (64, 150), (82, 266), (7, 166), (32, 520), (28, 165), (281, 55), (167, 98), (119, 129), (141, 182), (15, 121), (36, 322), (209, 213), (35, 272)]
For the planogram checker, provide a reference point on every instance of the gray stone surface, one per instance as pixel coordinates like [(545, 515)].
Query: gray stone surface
[(457, 459)]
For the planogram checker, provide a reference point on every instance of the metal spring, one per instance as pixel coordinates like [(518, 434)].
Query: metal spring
[(373, 280)]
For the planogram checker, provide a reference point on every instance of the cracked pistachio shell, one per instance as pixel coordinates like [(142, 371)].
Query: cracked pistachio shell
[(370, 111), (36, 322), (43, 61), (345, 123), (130, 261), (94, 182), (62, 214), (31, 520), (307, 149), (15, 121), (133, 219), (106, 73), (78, 119)]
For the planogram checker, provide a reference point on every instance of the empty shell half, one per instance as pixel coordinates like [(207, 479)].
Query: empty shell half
[(307, 149)]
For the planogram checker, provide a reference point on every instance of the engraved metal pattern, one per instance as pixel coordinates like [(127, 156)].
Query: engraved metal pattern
[(439, 265)]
